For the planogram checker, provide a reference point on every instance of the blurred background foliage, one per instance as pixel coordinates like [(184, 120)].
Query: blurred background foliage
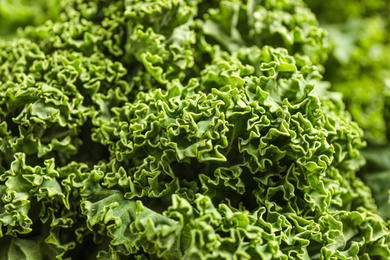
[(20, 13), (359, 68), (358, 64)]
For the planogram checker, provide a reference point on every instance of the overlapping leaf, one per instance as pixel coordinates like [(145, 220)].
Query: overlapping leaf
[(173, 129)]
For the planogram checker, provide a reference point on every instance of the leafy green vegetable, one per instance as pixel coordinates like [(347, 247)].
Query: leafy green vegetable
[(174, 129)]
